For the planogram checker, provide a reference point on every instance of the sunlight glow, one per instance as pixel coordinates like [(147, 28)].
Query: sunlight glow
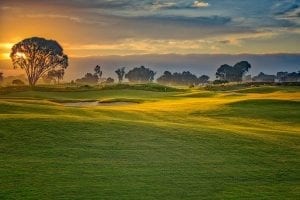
[(21, 55), (4, 56)]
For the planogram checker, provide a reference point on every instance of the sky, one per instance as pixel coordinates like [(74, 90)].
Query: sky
[(91, 28)]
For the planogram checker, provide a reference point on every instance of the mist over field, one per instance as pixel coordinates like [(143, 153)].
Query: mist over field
[(196, 63)]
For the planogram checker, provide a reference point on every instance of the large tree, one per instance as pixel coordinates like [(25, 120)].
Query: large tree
[(37, 56)]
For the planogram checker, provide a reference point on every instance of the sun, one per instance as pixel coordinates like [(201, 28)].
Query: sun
[(20, 55)]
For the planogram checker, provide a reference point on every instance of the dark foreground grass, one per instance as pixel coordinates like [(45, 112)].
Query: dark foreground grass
[(65, 159)]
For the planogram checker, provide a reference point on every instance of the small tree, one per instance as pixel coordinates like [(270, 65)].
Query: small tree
[(17, 82), (109, 80), (203, 79), (56, 75), (89, 78), (1, 77), (37, 56), (98, 72), (120, 73)]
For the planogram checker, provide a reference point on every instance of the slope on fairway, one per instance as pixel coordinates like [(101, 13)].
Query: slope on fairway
[(170, 146)]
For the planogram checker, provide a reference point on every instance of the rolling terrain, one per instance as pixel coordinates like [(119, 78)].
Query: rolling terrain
[(134, 143)]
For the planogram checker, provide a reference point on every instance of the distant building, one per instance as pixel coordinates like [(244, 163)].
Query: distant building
[(261, 77), (288, 77), (247, 79)]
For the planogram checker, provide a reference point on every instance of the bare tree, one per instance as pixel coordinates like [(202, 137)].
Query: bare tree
[(37, 56)]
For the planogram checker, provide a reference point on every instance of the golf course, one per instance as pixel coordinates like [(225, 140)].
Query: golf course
[(150, 141)]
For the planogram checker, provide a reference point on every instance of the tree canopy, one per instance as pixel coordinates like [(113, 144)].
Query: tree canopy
[(233, 73), (55, 75), (89, 78), (37, 56), (140, 74), (184, 78)]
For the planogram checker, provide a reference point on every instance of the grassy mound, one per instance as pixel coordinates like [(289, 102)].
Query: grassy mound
[(265, 109)]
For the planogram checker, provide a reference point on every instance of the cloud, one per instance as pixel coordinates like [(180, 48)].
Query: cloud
[(284, 7), (287, 13), (200, 4), (184, 20), (179, 5)]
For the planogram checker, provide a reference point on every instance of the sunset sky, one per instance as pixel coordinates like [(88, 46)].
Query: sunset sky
[(131, 27)]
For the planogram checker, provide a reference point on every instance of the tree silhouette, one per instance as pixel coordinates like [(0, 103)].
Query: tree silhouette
[(37, 56), (109, 80), (89, 78), (235, 74), (1, 77), (17, 82), (184, 78), (98, 71), (140, 74), (203, 79), (56, 75), (120, 73)]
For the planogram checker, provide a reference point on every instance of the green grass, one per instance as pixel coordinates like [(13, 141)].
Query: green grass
[(171, 145)]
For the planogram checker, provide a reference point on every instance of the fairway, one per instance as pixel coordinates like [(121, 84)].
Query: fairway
[(169, 144)]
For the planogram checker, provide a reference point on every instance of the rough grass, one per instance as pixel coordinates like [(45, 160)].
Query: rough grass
[(172, 145)]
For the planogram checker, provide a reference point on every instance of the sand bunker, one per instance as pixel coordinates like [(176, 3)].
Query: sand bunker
[(97, 103)]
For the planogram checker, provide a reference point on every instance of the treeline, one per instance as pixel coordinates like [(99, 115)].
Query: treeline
[(184, 78), (224, 74), (237, 73), (143, 75)]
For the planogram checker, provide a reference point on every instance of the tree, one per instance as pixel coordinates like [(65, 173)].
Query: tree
[(166, 78), (233, 74), (37, 56), (109, 80), (17, 82), (1, 77), (184, 78), (56, 75), (224, 71), (140, 74), (241, 68), (98, 72), (89, 78), (120, 73), (203, 79)]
